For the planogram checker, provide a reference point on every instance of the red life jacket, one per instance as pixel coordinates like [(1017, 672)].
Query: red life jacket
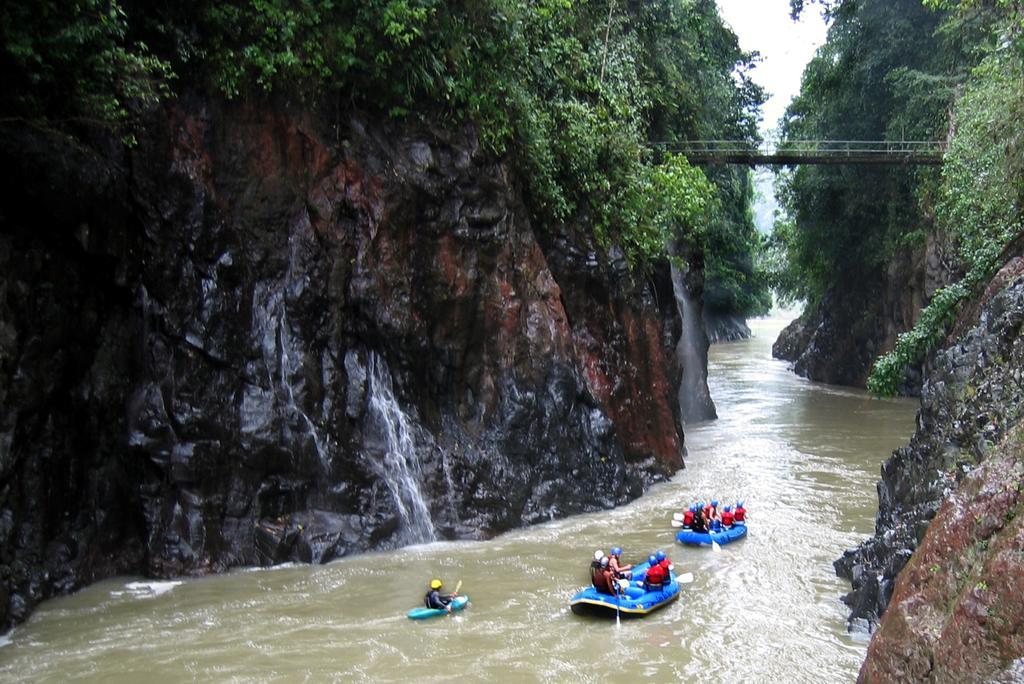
[(687, 518), (656, 574), (727, 518), (741, 512)]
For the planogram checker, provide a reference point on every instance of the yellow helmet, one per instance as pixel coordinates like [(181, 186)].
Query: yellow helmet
[(435, 584)]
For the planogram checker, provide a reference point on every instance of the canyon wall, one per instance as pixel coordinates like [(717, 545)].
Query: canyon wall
[(837, 341), (943, 571), (264, 335)]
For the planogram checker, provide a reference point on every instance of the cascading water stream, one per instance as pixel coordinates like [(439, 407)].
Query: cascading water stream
[(289, 365), (398, 463), (694, 397)]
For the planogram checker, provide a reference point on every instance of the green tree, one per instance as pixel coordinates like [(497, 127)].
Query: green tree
[(981, 198), (848, 221), (74, 64)]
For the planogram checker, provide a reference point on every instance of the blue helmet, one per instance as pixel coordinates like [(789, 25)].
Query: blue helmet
[(728, 508), (652, 560), (660, 556), (616, 551), (714, 503), (700, 504)]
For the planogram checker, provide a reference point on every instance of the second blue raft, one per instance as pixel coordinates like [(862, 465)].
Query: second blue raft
[(725, 536)]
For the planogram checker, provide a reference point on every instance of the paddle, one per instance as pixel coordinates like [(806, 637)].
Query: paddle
[(458, 585), (620, 589), (685, 578)]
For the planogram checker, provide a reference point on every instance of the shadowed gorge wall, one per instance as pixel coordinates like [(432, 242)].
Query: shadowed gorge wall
[(197, 337)]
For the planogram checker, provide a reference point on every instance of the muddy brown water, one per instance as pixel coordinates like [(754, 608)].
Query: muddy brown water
[(804, 458)]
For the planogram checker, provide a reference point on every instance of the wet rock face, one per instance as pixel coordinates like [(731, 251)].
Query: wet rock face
[(958, 606), (259, 338), (838, 341), (948, 506), (725, 327)]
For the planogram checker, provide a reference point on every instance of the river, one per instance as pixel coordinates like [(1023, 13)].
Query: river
[(804, 457)]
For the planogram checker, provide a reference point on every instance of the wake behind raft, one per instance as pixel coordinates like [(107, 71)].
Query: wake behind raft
[(636, 602)]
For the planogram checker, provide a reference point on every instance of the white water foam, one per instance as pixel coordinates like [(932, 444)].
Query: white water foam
[(147, 590), (399, 465)]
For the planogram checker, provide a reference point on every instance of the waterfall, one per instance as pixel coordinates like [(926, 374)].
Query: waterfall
[(398, 464), (289, 366), (283, 356), (692, 353)]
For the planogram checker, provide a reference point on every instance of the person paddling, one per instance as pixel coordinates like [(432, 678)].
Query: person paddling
[(435, 599), (603, 578), (615, 563), (727, 516), (656, 575), (699, 523), (740, 514)]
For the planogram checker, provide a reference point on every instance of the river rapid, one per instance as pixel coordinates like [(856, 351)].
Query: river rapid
[(804, 457)]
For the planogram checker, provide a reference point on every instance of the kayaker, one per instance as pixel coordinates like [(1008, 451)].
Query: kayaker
[(435, 599), (656, 575), (688, 518), (615, 564), (740, 514), (711, 511)]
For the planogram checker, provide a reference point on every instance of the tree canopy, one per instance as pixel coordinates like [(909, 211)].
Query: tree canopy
[(894, 70), (570, 91)]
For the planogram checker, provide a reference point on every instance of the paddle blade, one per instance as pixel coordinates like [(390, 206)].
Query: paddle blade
[(677, 523), (685, 578), (457, 587), (677, 516), (715, 546)]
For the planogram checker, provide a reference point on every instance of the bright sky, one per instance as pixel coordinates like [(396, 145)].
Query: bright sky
[(785, 46)]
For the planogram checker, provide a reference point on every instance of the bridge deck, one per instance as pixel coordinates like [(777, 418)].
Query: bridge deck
[(791, 153)]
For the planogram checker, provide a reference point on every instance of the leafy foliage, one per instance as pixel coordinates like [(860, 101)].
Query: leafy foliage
[(846, 222), (982, 194), (570, 91), (74, 63)]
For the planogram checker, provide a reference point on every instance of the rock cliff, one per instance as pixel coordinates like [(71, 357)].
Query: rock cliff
[(946, 561), (725, 327), (837, 341), (263, 336)]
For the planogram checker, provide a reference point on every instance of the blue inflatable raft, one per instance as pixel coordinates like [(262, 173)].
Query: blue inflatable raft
[(724, 536), (458, 603), (636, 602)]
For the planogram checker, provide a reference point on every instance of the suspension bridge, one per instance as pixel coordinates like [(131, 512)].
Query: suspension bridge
[(793, 152)]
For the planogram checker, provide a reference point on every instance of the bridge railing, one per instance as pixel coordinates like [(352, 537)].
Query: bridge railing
[(854, 149)]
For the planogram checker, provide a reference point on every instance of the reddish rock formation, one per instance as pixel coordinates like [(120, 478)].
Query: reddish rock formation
[(211, 345), (957, 611)]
